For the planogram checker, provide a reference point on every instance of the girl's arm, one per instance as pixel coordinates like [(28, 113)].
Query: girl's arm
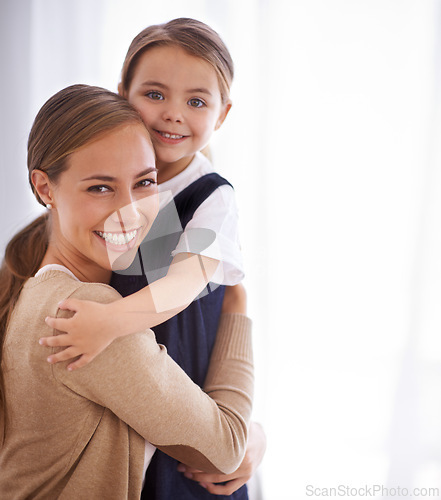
[(94, 326)]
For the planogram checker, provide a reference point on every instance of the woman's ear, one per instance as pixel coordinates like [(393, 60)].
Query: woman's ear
[(225, 110), (42, 186), (120, 89)]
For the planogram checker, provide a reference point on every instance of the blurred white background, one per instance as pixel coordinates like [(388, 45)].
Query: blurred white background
[(334, 148)]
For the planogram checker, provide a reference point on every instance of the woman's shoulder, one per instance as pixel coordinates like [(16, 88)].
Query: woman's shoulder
[(62, 285), (98, 292)]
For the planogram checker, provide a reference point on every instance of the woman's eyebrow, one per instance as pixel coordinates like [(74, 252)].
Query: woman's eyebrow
[(108, 178), (146, 171)]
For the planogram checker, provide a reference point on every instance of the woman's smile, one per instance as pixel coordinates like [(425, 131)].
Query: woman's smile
[(119, 241)]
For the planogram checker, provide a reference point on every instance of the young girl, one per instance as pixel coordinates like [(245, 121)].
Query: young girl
[(178, 76), (82, 434)]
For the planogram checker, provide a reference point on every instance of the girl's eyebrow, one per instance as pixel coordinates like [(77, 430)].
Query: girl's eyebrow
[(108, 178), (199, 91), (153, 83)]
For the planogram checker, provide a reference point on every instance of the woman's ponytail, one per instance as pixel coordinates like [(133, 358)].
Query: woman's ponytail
[(23, 256)]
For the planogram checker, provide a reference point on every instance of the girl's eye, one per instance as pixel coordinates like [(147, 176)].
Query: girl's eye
[(98, 189), (196, 103), (155, 96)]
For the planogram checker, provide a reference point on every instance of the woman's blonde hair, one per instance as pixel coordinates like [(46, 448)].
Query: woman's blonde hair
[(193, 36), (67, 121)]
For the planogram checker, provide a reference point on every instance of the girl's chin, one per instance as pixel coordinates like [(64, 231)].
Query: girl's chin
[(169, 167)]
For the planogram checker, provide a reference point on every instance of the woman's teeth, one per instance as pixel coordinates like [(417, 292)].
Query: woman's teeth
[(118, 238)]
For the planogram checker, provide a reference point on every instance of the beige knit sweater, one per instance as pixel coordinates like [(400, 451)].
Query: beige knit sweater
[(80, 435)]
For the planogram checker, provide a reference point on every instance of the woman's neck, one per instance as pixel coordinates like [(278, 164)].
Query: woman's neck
[(87, 272)]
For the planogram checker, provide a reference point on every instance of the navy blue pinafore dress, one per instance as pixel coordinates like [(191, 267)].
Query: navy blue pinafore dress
[(188, 336)]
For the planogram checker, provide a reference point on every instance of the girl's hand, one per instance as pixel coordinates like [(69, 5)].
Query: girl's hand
[(253, 456), (88, 332)]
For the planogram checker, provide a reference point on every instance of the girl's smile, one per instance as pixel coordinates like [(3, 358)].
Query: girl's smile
[(169, 137)]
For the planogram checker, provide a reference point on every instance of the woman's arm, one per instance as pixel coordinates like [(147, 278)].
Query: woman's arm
[(235, 301), (227, 484), (136, 379)]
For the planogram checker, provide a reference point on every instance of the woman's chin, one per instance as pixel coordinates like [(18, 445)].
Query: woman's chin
[(121, 256), (121, 261)]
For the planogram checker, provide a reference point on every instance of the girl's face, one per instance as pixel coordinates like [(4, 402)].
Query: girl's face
[(179, 99), (104, 203)]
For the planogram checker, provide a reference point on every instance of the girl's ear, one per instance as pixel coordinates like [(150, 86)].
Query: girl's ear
[(42, 185), (223, 114), (120, 89)]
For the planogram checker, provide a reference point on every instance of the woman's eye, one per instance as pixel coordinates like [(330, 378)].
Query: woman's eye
[(145, 183), (196, 103), (98, 189), (155, 96)]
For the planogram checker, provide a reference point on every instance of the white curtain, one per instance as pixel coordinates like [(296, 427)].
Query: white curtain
[(333, 145), (15, 36)]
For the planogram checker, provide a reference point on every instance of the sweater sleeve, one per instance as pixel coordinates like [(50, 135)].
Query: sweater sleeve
[(137, 380)]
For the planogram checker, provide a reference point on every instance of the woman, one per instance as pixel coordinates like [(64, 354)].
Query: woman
[(83, 434)]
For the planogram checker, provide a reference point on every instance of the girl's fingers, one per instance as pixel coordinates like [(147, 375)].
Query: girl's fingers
[(69, 304), (69, 353), (56, 341), (57, 323), (80, 362)]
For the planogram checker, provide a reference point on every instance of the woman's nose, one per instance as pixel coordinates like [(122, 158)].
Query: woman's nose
[(125, 217)]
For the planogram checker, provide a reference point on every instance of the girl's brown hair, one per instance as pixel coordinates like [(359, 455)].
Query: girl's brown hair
[(195, 37), (67, 121)]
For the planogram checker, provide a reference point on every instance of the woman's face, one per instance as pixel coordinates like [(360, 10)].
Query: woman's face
[(179, 99), (105, 202)]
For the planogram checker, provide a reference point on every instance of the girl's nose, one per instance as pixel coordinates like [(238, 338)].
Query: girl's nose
[(173, 113)]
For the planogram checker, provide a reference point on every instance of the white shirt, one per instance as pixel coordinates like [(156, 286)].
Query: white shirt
[(217, 213)]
